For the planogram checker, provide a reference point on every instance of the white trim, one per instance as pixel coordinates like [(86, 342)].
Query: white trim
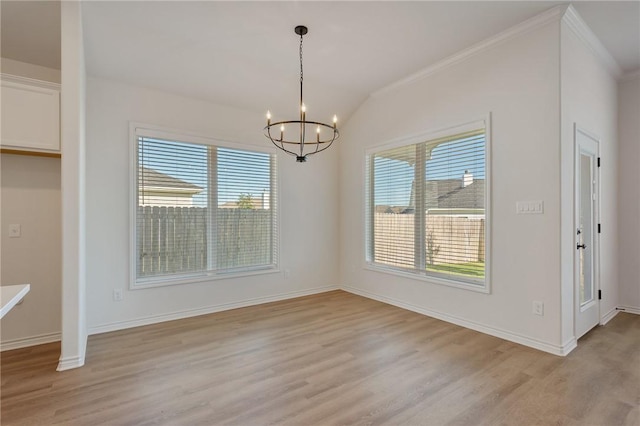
[(560, 350), (568, 346), (29, 81), (70, 363), (609, 316), (576, 24), (538, 21), (154, 319), (430, 278), (179, 135), (629, 309), (25, 342), (163, 281), (430, 135)]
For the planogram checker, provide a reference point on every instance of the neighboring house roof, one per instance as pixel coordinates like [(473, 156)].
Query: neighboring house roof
[(467, 197), (153, 180), (445, 194)]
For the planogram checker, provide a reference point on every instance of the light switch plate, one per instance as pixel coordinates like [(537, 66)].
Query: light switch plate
[(15, 230), (530, 207)]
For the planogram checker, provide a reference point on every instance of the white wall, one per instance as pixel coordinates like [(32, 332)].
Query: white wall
[(308, 210), (31, 198), (589, 100), (517, 81), (629, 192), (72, 130)]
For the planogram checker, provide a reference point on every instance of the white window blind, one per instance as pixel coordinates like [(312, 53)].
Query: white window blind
[(202, 210), (427, 207)]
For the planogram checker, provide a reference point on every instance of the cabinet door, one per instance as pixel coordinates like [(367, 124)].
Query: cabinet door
[(30, 117)]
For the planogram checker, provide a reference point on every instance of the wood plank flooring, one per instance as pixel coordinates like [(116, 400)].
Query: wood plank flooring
[(327, 359)]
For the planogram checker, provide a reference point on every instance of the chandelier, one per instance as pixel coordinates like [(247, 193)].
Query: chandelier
[(302, 137)]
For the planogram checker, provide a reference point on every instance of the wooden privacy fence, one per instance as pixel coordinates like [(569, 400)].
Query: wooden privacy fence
[(449, 239), (174, 239)]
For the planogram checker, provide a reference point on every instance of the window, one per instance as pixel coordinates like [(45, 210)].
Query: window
[(200, 210), (427, 208)]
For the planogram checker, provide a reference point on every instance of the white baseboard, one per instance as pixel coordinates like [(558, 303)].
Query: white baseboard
[(25, 342), (568, 346), (609, 316), (560, 350), (629, 309), (70, 363), (121, 325)]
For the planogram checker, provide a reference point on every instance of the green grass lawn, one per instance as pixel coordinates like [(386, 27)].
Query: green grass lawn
[(471, 269)]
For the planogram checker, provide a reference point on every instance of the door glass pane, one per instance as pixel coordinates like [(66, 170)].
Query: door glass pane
[(586, 229)]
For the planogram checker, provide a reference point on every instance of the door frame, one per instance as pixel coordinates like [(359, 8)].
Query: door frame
[(596, 220)]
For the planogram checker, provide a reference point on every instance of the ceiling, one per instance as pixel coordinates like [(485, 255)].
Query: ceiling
[(245, 54)]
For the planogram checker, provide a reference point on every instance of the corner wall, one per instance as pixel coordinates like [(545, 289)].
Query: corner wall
[(589, 100), (517, 81), (629, 192), (72, 126), (308, 194)]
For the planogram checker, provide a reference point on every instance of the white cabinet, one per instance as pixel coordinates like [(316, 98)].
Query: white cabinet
[(30, 114)]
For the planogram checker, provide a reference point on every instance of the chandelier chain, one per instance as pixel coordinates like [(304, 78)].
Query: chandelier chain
[(301, 72)]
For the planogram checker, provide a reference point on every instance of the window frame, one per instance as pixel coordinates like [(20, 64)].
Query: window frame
[(147, 130), (430, 277)]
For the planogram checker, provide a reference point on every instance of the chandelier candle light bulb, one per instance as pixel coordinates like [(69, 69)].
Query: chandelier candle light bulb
[(301, 148)]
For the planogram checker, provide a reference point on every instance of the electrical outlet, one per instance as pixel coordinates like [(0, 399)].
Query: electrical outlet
[(287, 273), (118, 296), (15, 230), (538, 308)]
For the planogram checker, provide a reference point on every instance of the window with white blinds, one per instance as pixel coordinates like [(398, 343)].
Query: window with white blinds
[(201, 210), (427, 208)]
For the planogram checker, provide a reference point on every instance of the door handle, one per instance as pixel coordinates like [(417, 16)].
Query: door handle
[(581, 246)]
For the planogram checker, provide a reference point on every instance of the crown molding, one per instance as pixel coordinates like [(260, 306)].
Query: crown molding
[(29, 81), (552, 15), (584, 33)]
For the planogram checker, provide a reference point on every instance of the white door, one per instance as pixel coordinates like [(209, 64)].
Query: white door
[(587, 306)]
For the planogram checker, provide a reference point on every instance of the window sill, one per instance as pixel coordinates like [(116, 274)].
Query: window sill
[(152, 282), (478, 288)]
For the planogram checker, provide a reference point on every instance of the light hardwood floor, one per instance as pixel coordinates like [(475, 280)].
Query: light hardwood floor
[(333, 358)]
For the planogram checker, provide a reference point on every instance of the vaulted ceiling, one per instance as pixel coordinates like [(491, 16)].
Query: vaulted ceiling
[(245, 54)]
